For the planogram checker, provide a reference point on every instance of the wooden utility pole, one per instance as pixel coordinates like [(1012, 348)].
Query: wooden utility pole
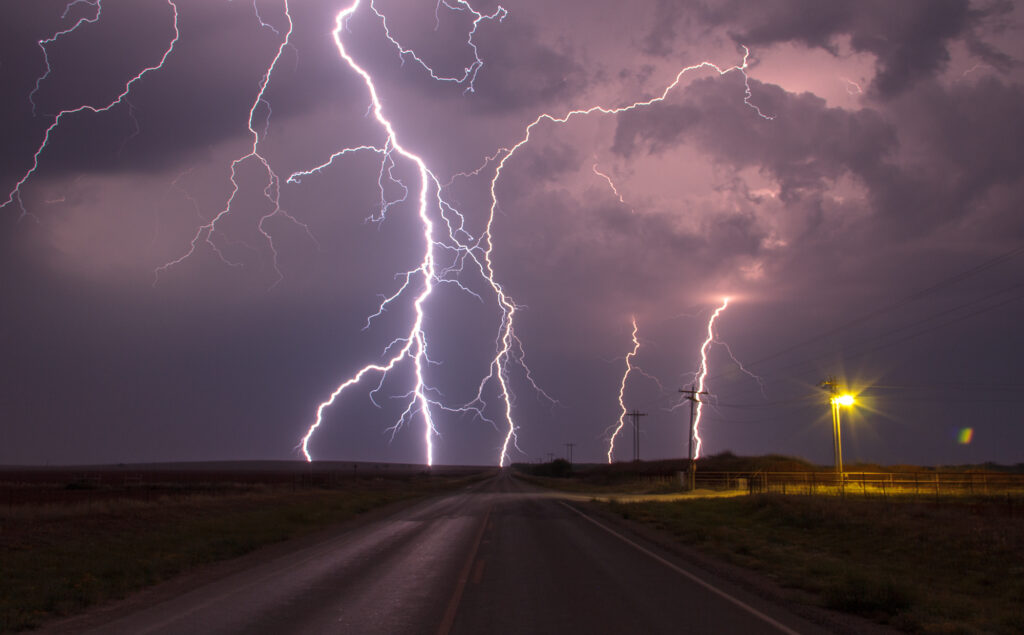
[(636, 414), (568, 451), (693, 395)]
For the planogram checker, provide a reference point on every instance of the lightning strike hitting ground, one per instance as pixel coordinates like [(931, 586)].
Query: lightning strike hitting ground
[(702, 374), (15, 193), (507, 337), (446, 254), (413, 345), (622, 393)]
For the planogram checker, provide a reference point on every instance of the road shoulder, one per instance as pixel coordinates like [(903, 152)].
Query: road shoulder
[(717, 570)]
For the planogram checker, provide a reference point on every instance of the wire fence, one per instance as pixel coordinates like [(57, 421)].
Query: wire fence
[(862, 483)]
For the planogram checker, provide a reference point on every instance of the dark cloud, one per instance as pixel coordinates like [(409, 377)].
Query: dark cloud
[(927, 161), (532, 74), (174, 114)]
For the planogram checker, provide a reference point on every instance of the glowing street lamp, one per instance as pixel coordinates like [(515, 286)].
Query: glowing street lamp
[(835, 401), (841, 400)]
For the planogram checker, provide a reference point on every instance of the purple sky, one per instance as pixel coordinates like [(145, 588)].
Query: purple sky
[(861, 207)]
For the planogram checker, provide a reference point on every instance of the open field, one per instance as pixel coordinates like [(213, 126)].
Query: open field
[(923, 550), (777, 474), (73, 538), (956, 566)]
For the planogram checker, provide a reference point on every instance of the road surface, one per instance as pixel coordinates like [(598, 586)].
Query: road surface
[(497, 557)]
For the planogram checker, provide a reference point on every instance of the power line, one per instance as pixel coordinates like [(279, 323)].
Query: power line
[(890, 307), (849, 352)]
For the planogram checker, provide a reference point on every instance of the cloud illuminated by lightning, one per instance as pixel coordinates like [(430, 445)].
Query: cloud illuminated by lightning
[(15, 193), (507, 337)]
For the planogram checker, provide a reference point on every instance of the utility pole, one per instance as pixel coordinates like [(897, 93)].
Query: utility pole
[(568, 451), (693, 395), (551, 457), (636, 414)]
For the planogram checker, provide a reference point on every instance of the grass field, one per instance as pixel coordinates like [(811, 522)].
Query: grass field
[(58, 559), (949, 566)]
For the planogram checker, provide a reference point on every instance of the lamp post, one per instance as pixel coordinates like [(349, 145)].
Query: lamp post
[(836, 400), (841, 400)]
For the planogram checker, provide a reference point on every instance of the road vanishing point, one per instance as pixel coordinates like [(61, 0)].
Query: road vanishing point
[(497, 557)]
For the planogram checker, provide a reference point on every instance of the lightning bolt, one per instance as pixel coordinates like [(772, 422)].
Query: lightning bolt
[(743, 369), (507, 337), (622, 392), (702, 374), (46, 42), (611, 184), (15, 193), (470, 72), (422, 280), (852, 87), (272, 188), (449, 249)]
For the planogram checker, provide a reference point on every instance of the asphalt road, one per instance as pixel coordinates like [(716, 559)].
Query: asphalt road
[(498, 557)]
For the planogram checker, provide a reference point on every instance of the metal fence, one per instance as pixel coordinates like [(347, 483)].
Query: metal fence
[(863, 483)]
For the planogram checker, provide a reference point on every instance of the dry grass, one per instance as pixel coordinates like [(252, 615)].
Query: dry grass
[(954, 566), (59, 559), (624, 484)]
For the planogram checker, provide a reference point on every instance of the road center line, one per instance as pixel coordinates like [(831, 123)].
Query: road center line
[(453, 604), (710, 587)]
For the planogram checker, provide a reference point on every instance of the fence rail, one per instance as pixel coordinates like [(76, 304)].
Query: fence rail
[(865, 483)]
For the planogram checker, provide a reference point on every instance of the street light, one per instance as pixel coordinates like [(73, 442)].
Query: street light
[(841, 400), (835, 401)]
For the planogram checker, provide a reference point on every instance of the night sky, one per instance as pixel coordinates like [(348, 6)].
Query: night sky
[(862, 208)]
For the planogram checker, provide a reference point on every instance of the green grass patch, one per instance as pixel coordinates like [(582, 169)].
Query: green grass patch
[(56, 560), (939, 567)]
